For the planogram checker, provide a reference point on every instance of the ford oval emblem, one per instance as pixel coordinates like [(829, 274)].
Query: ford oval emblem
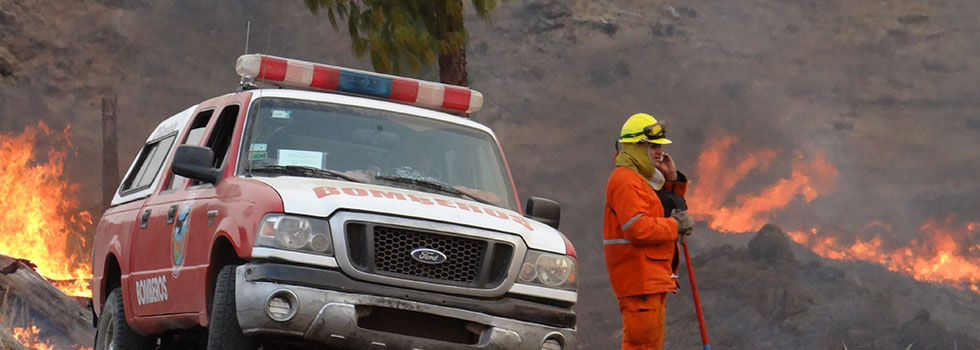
[(428, 256)]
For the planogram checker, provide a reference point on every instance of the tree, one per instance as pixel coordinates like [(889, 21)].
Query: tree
[(396, 32)]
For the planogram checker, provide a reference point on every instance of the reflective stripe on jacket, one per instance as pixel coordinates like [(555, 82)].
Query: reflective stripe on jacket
[(638, 240)]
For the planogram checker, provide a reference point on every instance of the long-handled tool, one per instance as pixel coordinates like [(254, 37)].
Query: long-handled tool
[(694, 292)]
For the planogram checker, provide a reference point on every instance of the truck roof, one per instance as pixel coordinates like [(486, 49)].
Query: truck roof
[(369, 103)]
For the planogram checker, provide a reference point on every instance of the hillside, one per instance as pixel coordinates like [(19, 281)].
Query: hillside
[(885, 90), (765, 296)]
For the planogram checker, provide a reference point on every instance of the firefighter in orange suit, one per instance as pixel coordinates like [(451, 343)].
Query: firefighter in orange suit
[(639, 240)]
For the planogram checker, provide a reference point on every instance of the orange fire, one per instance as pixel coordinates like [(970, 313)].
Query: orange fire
[(937, 257), (944, 251), (29, 338), (716, 177), (40, 220)]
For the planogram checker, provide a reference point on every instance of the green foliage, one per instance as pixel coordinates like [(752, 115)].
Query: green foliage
[(402, 32)]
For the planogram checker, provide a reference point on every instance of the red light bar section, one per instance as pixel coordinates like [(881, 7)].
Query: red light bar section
[(273, 69), (325, 78), (404, 90), (298, 74), (456, 98)]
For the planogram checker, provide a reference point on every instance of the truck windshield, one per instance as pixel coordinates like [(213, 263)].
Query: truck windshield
[(284, 136)]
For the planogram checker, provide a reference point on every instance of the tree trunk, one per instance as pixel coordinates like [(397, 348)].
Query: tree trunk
[(452, 58), (110, 166), (452, 68)]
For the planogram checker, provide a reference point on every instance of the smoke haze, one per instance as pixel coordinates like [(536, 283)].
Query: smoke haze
[(883, 92)]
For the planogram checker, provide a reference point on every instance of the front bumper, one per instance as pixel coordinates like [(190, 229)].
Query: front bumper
[(353, 314)]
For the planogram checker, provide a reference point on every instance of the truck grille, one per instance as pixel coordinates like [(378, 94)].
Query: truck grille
[(387, 250)]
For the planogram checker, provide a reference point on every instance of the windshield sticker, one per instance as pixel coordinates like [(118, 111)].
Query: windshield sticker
[(258, 147), (324, 191), (257, 155), (280, 114), (301, 158)]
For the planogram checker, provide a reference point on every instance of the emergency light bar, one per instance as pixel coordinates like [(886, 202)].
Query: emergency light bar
[(292, 73)]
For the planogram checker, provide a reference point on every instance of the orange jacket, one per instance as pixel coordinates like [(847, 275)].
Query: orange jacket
[(640, 243)]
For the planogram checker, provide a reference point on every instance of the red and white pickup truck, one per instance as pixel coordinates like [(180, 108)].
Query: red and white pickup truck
[(338, 208)]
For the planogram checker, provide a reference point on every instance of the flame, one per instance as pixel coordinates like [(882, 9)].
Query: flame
[(937, 257), (944, 252), (29, 338), (750, 212), (40, 220)]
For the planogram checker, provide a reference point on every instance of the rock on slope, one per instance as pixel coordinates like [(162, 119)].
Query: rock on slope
[(764, 297)]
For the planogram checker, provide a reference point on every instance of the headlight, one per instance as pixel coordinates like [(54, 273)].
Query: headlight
[(295, 233), (553, 270), (549, 270)]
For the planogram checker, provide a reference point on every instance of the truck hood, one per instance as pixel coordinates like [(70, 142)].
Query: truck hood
[(323, 197)]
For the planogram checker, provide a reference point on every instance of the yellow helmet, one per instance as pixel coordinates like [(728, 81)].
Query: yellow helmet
[(643, 128)]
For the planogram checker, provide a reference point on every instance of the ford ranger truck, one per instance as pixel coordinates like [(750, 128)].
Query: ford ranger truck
[(321, 207)]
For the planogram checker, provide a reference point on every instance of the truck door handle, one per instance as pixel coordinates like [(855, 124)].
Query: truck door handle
[(171, 213), (145, 219)]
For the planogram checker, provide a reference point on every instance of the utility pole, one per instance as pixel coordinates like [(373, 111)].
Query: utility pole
[(110, 159)]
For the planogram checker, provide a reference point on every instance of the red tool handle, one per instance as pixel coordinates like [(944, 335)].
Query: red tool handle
[(694, 292)]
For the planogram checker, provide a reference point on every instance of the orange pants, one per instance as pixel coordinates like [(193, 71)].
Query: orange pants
[(643, 321)]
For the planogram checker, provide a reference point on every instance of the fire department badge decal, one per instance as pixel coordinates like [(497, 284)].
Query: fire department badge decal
[(179, 240)]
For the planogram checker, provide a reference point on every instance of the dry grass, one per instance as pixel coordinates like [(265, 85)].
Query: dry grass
[(845, 346)]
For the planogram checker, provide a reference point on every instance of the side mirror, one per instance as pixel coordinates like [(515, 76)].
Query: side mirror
[(544, 210), (195, 162)]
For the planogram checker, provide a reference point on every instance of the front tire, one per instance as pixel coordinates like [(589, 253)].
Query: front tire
[(224, 332), (113, 332)]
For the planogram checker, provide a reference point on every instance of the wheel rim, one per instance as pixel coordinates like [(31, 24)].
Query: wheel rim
[(110, 334)]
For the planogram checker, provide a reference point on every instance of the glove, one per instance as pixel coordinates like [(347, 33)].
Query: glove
[(685, 223)]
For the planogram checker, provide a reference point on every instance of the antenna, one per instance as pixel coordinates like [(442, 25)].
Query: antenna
[(268, 42), (242, 84), (248, 30)]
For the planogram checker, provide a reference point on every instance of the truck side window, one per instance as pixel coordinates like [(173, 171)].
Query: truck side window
[(193, 138), (220, 139), (148, 164)]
